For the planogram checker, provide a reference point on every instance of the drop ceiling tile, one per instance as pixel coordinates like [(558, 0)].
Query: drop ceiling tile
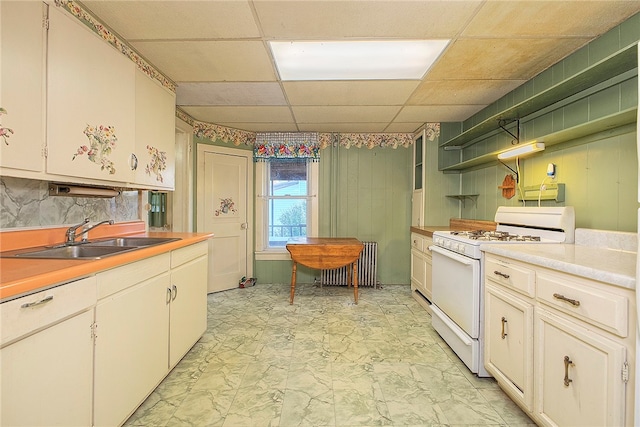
[(548, 18), (345, 114), (439, 113), (199, 61), (220, 114), (164, 20), (404, 127), (502, 59), (351, 19), (343, 127), (450, 92), (261, 127), (379, 92), (229, 94)]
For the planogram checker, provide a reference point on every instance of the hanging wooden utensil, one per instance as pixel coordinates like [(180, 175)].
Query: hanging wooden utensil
[(508, 187)]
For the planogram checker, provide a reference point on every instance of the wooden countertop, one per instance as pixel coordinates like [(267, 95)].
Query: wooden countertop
[(21, 276), (458, 224), (427, 230)]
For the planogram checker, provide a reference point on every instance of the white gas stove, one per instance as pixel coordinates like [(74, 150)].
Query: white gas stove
[(457, 271), (515, 225)]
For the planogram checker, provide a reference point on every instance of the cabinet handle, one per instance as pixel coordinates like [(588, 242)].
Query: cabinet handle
[(133, 162), (168, 295), (567, 362), (504, 322), (496, 272), (573, 302), (175, 292), (42, 301)]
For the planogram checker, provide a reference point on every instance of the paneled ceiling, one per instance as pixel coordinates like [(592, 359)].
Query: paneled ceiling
[(218, 54)]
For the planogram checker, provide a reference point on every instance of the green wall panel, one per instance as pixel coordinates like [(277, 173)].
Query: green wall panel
[(600, 171), (363, 193)]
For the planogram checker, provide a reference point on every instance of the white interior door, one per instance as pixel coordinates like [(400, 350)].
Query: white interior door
[(224, 189)]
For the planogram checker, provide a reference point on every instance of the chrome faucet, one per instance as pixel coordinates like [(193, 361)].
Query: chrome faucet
[(71, 231)]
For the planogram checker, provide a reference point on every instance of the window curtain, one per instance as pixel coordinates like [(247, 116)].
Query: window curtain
[(286, 145)]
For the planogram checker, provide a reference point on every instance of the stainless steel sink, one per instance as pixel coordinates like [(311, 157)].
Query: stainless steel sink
[(75, 252), (90, 250), (131, 242)]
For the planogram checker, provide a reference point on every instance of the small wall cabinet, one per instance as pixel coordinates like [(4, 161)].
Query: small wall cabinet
[(22, 86), (154, 154), (90, 103)]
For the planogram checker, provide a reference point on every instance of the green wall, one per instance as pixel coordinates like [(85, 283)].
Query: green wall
[(363, 193), (600, 170)]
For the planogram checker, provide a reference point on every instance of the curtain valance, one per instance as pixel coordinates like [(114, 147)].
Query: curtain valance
[(286, 145)]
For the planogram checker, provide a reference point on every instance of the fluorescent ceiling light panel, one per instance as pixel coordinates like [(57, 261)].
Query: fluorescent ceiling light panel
[(356, 60), (521, 150)]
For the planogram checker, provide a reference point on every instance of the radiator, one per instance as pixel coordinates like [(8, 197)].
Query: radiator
[(367, 269)]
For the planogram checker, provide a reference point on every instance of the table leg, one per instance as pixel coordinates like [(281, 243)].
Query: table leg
[(293, 281), (355, 281)]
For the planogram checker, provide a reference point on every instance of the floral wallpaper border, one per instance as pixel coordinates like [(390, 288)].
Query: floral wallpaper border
[(100, 29), (347, 140)]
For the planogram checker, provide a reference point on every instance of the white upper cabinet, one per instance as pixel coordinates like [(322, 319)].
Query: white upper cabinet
[(22, 53), (154, 159), (90, 103)]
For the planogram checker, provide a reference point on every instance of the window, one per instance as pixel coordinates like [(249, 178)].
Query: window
[(286, 206)]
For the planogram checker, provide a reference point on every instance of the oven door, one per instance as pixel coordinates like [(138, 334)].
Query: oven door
[(456, 288)]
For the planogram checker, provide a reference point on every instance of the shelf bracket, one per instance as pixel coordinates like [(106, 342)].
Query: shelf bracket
[(516, 137), (515, 172)]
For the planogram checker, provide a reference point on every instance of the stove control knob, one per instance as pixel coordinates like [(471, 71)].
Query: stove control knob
[(461, 248), (447, 244)]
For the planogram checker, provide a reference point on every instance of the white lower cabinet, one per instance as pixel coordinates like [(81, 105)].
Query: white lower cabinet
[(421, 269), (580, 381), (188, 307), (46, 361), (149, 314), (560, 345), (131, 347), (509, 343)]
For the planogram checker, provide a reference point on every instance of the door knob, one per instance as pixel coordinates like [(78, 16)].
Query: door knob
[(244, 225)]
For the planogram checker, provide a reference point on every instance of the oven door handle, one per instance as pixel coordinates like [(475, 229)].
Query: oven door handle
[(452, 255)]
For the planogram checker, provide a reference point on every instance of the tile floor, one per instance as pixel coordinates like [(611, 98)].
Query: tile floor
[(323, 361)]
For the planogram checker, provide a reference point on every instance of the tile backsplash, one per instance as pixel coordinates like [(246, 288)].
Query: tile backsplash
[(26, 203)]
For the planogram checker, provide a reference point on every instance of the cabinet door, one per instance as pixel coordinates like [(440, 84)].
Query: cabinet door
[(22, 86), (131, 355), (47, 377), (509, 343), (90, 103), (419, 271), (155, 133), (428, 241), (580, 381), (188, 307)]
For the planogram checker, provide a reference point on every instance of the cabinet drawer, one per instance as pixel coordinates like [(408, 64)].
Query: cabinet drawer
[(512, 276), (34, 312), (120, 278), (417, 242), (186, 254), (595, 306)]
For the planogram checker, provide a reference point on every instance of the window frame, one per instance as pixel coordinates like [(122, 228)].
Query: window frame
[(262, 251)]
